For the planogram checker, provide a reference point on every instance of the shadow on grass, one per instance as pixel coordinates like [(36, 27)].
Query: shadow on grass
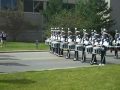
[(17, 81)]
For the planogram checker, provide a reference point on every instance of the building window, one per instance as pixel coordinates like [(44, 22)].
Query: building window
[(8, 4), (38, 6), (28, 5)]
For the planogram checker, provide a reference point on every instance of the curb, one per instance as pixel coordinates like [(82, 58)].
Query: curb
[(18, 51), (49, 69)]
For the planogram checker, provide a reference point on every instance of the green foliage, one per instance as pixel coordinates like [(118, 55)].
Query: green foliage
[(54, 7), (20, 5), (89, 78), (66, 19), (89, 14), (22, 46), (96, 12)]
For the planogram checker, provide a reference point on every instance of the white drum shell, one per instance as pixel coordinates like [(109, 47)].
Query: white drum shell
[(55, 44), (79, 47), (71, 46), (96, 50), (64, 45), (89, 49)]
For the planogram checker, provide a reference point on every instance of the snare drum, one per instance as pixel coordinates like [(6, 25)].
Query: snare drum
[(71, 46), (89, 49), (55, 44), (97, 50), (63, 45), (117, 48), (110, 47), (79, 47)]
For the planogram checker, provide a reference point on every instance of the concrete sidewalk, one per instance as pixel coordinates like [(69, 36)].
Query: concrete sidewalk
[(37, 61)]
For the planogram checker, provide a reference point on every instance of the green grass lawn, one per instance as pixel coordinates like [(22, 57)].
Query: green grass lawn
[(92, 78), (10, 46)]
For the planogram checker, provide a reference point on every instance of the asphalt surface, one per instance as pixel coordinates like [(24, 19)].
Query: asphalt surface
[(38, 61)]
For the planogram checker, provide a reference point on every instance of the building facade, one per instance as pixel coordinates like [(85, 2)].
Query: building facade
[(33, 12), (115, 4), (8, 4), (39, 5)]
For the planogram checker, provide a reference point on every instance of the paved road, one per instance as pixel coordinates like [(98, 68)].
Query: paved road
[(37, 61)]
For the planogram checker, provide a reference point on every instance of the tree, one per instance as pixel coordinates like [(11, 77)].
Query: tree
[(54, 7), (66, 19), (88, 14), (96, 13)]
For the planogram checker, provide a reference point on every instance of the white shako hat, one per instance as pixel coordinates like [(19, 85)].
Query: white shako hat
[(95, 31), (75, 28), (52, 29), (62, 30), (84, 30), (104, 30)]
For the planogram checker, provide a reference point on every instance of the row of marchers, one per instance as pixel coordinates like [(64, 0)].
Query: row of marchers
[(93, 43)]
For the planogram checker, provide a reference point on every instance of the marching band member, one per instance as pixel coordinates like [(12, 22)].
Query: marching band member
[(53, 38), (85, 41), (117, 38), (95, 45), (49, 40), (104, 44), (116, 44), (71, 43), (56, 41), (78, 41), (92, 37), (63, 36), (63, 43), (78, 36)]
